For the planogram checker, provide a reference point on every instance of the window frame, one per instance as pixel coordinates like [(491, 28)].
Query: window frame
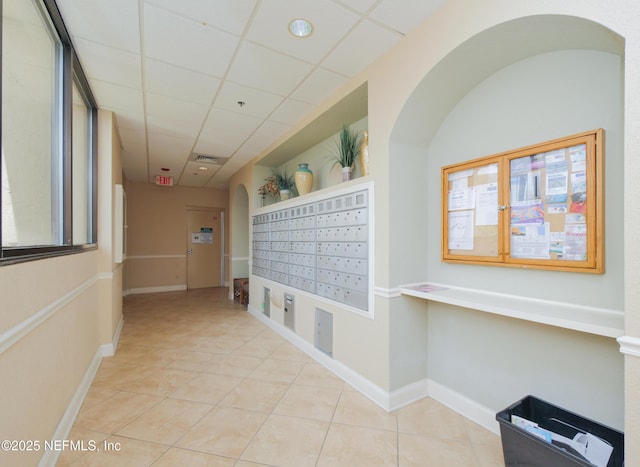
[(70, 69)]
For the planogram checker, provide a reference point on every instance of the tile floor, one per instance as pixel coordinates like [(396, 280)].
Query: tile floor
[(198, 381)]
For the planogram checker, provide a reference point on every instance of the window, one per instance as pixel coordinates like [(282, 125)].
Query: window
[(534, 207), (48, 137)]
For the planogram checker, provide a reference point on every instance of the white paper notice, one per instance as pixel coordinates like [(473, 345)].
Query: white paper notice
[(487, 204), (462, 199), (461, 230), (530, 241)]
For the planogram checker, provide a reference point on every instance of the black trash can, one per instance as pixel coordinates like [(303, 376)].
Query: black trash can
[(523, 448)]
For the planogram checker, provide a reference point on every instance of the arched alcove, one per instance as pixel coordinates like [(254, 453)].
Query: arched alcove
[(240, 250), (520, 82)]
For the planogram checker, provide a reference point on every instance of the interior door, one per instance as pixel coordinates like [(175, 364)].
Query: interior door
[(204, 248)]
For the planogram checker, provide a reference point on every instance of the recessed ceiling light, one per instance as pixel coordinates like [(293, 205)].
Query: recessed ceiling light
[(300, 27), (203, 168)]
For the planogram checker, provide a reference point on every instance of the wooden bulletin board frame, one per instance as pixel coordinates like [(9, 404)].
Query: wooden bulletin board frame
[(540, 206)]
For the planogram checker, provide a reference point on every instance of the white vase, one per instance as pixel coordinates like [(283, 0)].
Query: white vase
[(346, 174), (284, 194)]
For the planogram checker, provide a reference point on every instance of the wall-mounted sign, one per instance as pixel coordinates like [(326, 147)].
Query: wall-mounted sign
[(163, 180)]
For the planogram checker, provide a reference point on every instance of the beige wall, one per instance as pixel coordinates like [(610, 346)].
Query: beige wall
[(391, 82), (157, 234), (59, 316)]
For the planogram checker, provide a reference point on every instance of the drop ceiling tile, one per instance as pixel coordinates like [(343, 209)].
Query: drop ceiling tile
[(224, 132), (331, 22), (261, 68), (184, 114), (117, 98), (256, 103), (291, 112), (229, 15), (132, 138), (350, 57), (168, 149), (134, 157), (264, 137), (109, 22), (361, 6), (318, 86), (134, 121), (136, 175), (404, 15), (109, 64), (179, 83), (187, 43)]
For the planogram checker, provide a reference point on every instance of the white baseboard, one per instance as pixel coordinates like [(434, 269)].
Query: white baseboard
[(161, 288), (397, 398), (50, 457), (466, 407)]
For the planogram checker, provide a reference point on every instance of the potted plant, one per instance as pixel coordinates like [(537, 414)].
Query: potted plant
[(347, 149), (286, 183)]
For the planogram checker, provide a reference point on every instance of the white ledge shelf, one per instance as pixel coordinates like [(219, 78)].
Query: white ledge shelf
[(592, 320)]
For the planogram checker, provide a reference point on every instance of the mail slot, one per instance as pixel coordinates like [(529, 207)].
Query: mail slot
[(289, 311)]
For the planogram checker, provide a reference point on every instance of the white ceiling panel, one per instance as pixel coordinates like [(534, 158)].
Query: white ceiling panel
[(173, 71), (350, 57), (262, 68), (361, 6), (291, 111), (109, 64), (137, 175), (179, 83), (318, 86), (404, 15), (224, 132), (187, 43), (120, 99), (256, 103), (110, 22), (331, 23), (229, 15)]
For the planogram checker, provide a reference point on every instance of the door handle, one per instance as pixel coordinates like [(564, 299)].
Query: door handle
[(190, 251)]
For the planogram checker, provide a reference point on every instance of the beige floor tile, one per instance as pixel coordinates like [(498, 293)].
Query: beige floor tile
[(354, 446), (486, 445), (233, 365), (224, 431), (314, 374), (277, 371), (163, 382), (166, 422), (290, 352), (115, 375), (252, 394), (82, 439), (355, 409), (258, 348), (309, 402), (115, 412), (121, 452), (432, 452), (206, 388), (287, 441), (176, 457), (96, 394), (427, 417)]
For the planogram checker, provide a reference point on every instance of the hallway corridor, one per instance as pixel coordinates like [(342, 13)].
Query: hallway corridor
[(198, 381)]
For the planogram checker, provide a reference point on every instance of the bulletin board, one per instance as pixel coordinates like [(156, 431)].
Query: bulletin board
[(540, 206)]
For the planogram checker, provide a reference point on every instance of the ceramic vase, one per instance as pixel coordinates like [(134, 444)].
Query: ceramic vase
[(304, 179), (346, 174), (285, 194)]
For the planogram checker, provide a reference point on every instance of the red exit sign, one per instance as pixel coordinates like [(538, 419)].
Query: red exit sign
[(164, 181)]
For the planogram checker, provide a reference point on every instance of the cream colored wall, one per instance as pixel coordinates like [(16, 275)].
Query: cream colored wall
[(56, 321), (157, 234), (391, 81)]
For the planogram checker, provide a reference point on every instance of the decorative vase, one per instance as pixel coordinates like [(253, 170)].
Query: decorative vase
[(304, 179), (346, 174), (285, 194), (364, 154)]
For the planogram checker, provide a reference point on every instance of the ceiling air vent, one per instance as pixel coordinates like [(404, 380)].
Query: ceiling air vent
[(206, 159)]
